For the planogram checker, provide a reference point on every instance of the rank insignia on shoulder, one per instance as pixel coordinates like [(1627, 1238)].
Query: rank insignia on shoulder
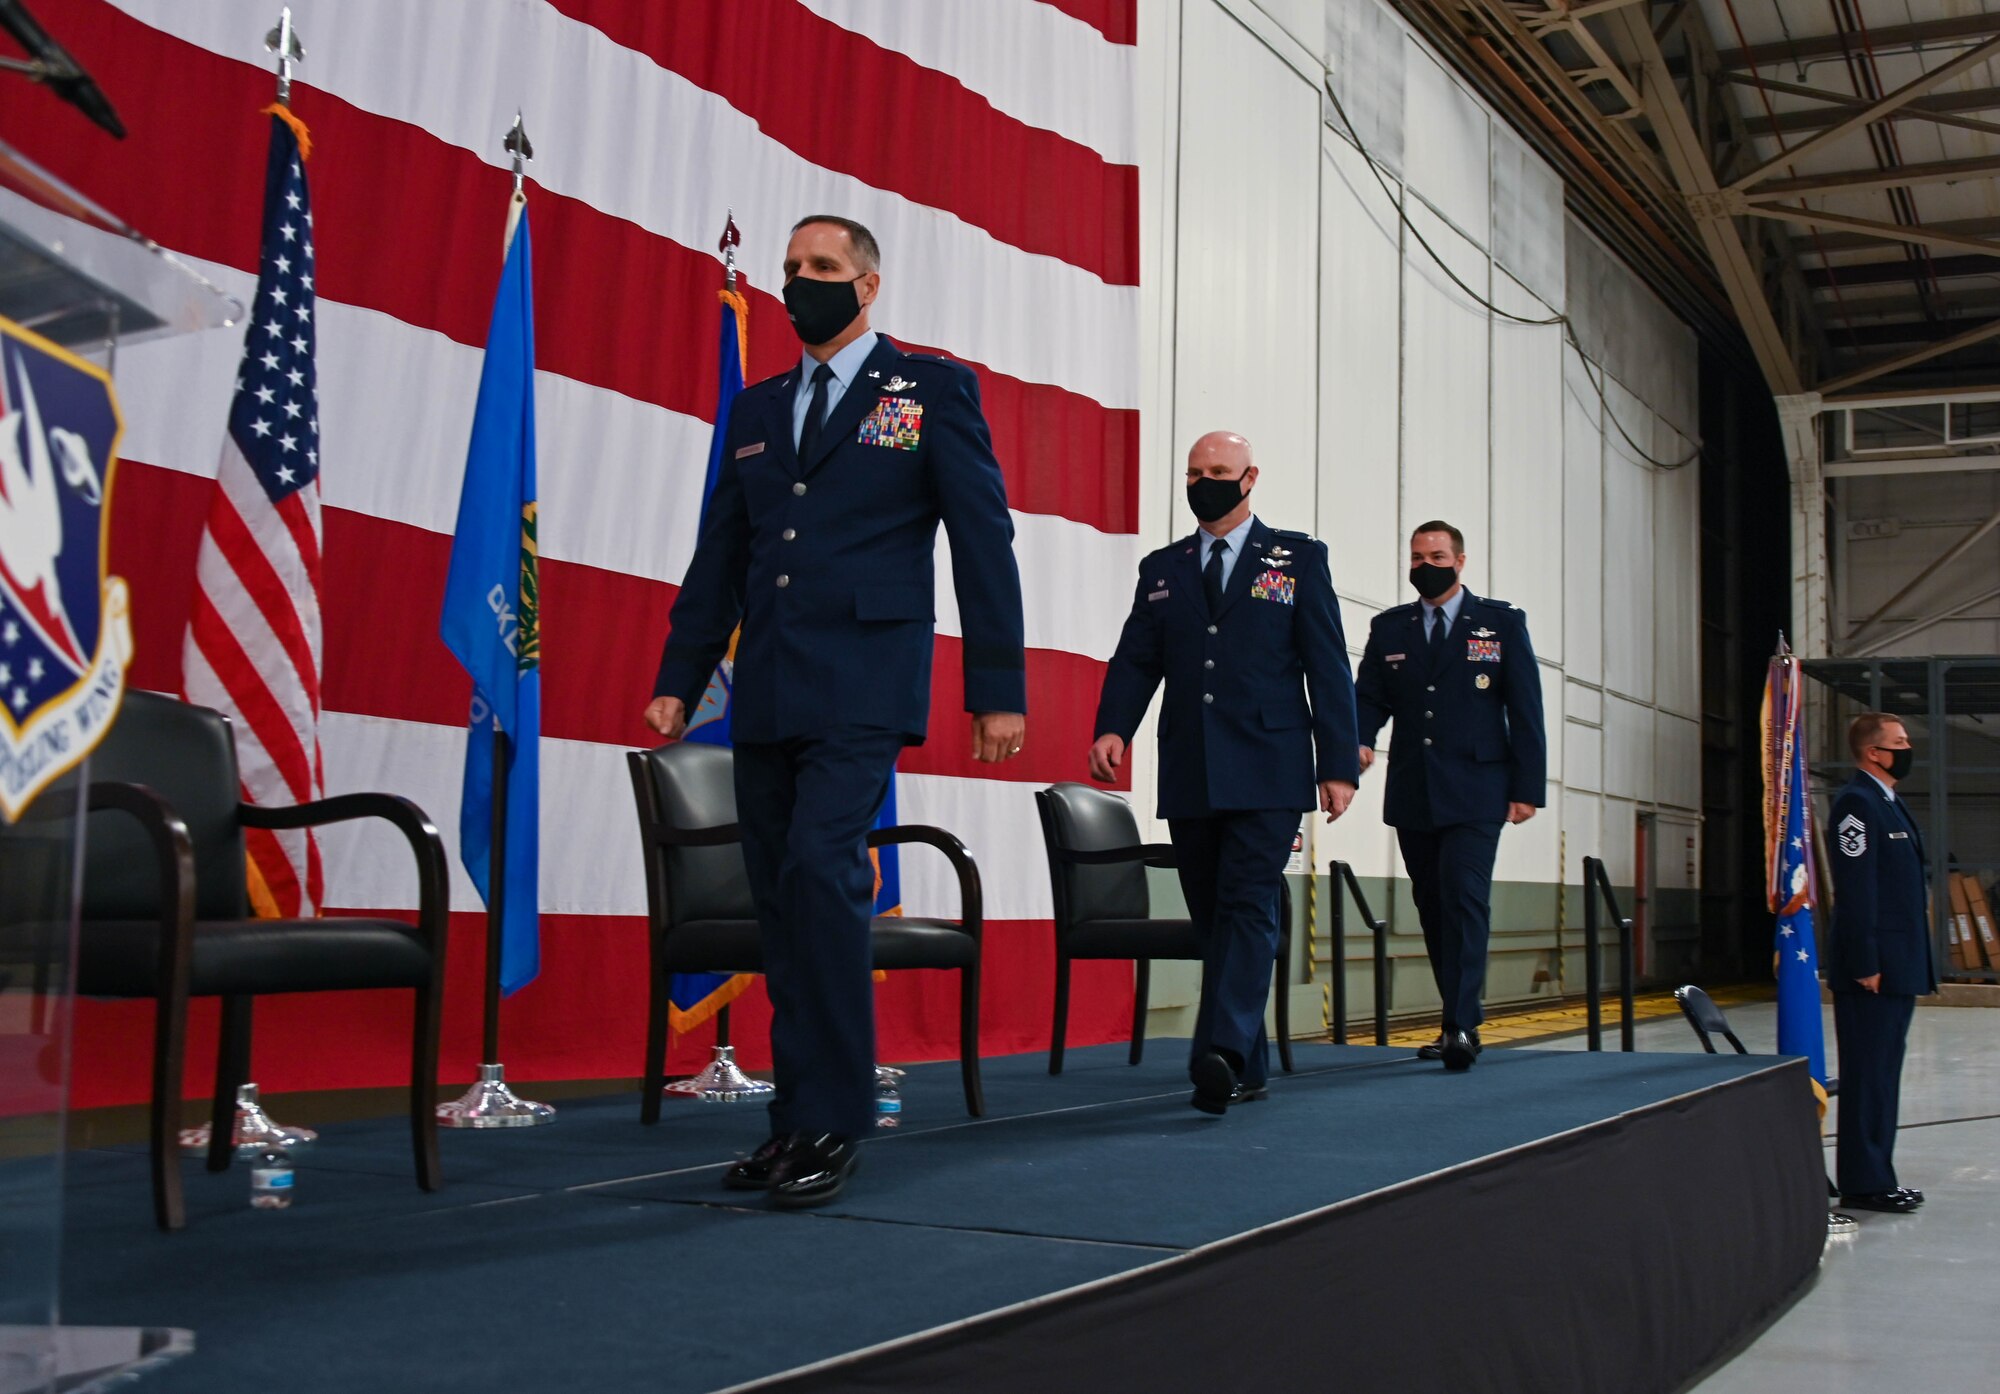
[(898, 383), (1482, 634), (1853, 836)]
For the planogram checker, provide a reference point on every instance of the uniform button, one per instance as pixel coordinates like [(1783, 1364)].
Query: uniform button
[(800, 487), (1208, 696), (784, 581), (1211, 629), (1208, 663), (1430, 689), (789, 533), (1427, 740), (1429, 716)]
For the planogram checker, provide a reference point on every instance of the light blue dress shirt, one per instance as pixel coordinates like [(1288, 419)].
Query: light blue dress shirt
[(845, 364), (1233, 542), (1451, 608)]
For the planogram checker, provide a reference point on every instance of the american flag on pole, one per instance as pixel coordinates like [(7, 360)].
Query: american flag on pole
[(253, 636)]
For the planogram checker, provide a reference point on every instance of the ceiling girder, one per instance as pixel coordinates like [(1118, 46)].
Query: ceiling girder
[(1855, 121), (1931, 31)]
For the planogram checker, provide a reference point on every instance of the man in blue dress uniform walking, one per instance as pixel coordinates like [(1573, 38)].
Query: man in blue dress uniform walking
[(1257, 725), (1879, 958), (819, 540), (1456, 674)]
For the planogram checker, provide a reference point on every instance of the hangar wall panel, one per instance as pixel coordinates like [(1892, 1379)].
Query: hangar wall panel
[(1289, 300)]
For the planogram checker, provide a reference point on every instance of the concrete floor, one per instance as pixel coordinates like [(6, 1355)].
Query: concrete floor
[(1908, 1301)]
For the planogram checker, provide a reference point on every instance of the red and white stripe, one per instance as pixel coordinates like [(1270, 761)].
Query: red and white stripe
[(253, 653), (990, 144)]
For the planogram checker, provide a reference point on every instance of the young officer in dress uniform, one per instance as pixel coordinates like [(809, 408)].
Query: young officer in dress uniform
[(1879, 960), (1257, 726), (1457, 675), (819, 540)]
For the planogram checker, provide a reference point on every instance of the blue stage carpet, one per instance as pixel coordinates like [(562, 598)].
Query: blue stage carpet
[(599, 1255)]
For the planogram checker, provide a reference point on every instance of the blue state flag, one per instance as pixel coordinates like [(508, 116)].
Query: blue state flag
[(491, 619), (693, 998), (1789, 838)]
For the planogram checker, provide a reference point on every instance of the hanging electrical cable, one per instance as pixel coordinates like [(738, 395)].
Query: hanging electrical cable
[(1568, 326)]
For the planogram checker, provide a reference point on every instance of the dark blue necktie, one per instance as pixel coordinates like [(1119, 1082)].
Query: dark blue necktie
[(815, 413), (1211, 575), (1437, 634)]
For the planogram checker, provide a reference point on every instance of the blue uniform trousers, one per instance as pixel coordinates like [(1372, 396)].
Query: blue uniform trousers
[(1451, 879), (1229, 866), (806, 806), (1871, 1028)]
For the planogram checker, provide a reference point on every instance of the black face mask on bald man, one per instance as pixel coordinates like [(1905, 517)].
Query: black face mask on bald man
[(1211, 498)]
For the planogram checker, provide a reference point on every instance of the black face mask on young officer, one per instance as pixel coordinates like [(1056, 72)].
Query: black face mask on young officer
[(1212, 498), (1432, 580), (821, 309), (1899, 761)]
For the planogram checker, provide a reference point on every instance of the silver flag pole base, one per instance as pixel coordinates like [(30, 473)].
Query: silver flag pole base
[(1840, 1226), (489, 1103), (720, 1082), (254, 1127)]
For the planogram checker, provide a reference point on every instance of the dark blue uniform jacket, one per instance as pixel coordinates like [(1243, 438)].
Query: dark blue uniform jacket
[(1237, 730), (827, 562), (1463, 748), (1881, 895)]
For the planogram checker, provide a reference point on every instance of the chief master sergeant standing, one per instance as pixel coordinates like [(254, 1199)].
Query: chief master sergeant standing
[(819, 539), (1878, 958), (1243, 633), (1457, 675)]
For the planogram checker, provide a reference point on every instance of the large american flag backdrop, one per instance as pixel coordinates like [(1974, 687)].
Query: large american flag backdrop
[(991, 146)]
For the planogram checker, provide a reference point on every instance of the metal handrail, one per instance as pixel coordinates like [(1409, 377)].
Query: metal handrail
[(1343, 874), (1597, 890)]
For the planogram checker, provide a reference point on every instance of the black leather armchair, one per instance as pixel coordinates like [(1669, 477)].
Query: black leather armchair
[(165, 916), (702, 918), (1103, 909)]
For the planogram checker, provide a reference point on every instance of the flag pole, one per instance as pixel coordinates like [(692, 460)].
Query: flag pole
[(721, 1080), (490, 1103), (253, 1126)]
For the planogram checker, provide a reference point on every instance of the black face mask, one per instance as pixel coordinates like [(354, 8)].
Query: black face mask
[(1212, 499), (1432, 580), (1899, 761), (821, 309)]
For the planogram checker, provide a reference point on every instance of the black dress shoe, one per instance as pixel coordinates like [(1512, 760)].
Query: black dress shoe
[(1478, 1048), (1433, 1051), (1460, 1050), (812, 1171), (753, 1173), (1911, 1191), (1889, 1203), (1215, 1084)]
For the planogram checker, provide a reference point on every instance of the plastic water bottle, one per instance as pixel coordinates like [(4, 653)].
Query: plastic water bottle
[(888, 1098), (270, 1176)]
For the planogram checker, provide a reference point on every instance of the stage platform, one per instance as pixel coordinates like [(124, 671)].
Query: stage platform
[(1549, 1221)]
